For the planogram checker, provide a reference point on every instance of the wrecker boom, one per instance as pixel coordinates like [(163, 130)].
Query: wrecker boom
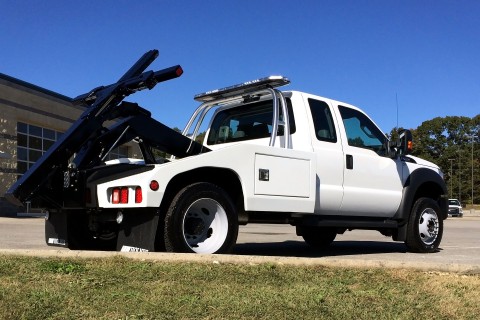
[(88, 141)]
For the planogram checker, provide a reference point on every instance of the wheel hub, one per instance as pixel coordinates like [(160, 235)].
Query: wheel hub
[(428, 226), (194, 226)]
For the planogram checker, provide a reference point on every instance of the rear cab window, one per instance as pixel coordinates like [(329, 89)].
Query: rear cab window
[(322, 121), (247, 122)]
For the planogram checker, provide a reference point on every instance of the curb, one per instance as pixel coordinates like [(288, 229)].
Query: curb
[(247, 259)]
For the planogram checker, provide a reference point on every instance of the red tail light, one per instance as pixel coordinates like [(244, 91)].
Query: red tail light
[(120, 195), (124, 195), (138, 195), (154, 185)]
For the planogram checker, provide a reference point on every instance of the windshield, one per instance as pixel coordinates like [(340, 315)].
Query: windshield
[(453, 202)]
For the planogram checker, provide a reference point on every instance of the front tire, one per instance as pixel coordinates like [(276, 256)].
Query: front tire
[(425, 227), (201, 219)]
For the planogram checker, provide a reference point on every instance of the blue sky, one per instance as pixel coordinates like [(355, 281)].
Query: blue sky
[(361, 52)]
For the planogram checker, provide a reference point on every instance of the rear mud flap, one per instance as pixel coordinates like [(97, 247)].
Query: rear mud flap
[(56, 231), (138, 231)]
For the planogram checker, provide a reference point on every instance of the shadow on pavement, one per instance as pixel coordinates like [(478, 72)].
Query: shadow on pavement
[(301, 249)]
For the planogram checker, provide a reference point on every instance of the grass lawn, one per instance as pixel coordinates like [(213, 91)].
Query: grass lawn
[(120, 288)]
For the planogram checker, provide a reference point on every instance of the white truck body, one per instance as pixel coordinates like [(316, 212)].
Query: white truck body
[(309, 178), (244, 160)]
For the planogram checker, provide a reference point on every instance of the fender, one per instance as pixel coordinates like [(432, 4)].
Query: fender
[(422, 182)]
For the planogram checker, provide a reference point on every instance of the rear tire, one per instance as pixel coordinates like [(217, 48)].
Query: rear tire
[(201, 219), (425, 226), (318, 237)]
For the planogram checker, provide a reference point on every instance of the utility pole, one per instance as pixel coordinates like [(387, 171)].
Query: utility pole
[(473, 140), (459, 176), (451, 177)]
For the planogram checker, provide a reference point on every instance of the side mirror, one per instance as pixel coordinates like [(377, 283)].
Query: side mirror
[(404, 142)]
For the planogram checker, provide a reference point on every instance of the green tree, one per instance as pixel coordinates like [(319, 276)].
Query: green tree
[(448, 142)]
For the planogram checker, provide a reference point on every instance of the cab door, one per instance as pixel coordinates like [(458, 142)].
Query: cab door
[(328, 149), (372, 183)]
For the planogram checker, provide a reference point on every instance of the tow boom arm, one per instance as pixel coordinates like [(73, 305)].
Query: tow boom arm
[(88, 140)]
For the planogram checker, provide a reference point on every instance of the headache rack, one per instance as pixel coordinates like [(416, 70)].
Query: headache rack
[(246, 92)]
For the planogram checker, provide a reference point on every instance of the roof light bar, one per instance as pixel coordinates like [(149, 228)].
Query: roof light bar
[(242, 88)]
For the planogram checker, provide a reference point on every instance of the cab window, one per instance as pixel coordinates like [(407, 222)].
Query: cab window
[(322, 121), (361, 131), (247, 122)]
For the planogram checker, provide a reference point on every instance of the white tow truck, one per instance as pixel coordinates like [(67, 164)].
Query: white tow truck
[(268, 156)]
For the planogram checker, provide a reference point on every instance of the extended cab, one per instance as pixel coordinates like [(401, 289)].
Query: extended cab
[(267, 156)]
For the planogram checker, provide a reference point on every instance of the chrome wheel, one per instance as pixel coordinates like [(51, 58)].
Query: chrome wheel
[(425, 227), (428, 226)]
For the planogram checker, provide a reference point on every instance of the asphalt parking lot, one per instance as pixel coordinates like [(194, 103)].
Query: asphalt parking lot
[(257, 243)]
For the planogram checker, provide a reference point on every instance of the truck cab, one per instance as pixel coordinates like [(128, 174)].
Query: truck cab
[(347, 145)]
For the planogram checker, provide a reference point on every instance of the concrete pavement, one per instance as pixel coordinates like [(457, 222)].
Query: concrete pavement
[(278, 244)]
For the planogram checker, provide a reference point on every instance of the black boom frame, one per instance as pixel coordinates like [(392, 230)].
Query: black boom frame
[(86, 143)]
